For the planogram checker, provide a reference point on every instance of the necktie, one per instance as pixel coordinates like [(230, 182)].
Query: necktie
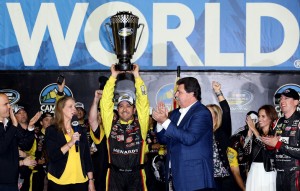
[(178, 118), (2, 126)]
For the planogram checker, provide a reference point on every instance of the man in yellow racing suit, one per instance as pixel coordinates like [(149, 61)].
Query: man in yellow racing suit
[(126, 135)]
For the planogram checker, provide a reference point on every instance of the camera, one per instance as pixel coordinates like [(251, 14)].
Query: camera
[(60, 79)]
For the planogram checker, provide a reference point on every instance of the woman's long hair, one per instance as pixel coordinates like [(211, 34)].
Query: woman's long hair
[(58, 120), (218, 113), (270, 113)]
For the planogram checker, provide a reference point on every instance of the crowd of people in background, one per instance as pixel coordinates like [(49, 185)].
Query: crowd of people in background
[(119, 145)]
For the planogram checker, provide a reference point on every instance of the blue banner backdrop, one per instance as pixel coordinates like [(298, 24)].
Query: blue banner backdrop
[(196, 35)]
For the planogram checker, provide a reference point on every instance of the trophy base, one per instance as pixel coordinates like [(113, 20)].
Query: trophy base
[(124, 67)]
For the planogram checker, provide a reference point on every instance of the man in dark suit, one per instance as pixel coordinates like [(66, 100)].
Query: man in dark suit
[(189, 138), (12, 136)]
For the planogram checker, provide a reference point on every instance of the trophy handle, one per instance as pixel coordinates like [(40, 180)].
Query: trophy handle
[(139, 36), (107, 33)]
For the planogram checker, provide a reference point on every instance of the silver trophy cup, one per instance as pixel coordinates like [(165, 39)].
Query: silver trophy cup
[(124, 27)]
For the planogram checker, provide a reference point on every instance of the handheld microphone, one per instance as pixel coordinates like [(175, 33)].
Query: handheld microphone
[(75, 125)]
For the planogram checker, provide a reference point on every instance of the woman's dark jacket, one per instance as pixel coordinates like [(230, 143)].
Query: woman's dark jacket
[(259, 153), (54, 140), (223, 133)]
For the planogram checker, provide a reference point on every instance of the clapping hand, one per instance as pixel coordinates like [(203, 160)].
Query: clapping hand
[(160, 113), (250, 123), (271, 140), (35, 118)]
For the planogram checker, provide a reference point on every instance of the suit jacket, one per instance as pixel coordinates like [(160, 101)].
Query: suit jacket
[(54, 140), (190, 148), (10, 140)]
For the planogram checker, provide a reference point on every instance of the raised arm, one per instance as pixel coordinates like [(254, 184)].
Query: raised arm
[(142, 101), (60, 92), (217, 89), (226, 115), (93, 114), (106, 103)]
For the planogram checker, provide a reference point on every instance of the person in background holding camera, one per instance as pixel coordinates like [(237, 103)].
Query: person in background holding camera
[(286, 141), (126, 135), (236, 154), (254, 116), (262, 174), (12, 136)]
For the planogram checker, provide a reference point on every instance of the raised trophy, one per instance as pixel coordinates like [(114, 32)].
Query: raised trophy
[(124, 27)]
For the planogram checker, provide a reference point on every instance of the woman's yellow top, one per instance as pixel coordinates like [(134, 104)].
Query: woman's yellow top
[(73, 171)]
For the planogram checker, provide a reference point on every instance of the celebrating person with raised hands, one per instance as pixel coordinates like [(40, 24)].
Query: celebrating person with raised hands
[(222, 131), (126, 134)]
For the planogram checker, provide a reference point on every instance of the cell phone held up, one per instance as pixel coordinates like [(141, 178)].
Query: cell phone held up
[(60, 79)]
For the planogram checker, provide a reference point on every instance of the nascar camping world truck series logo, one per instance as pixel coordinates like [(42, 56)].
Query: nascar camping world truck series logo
[(47, 96), (13, 95)]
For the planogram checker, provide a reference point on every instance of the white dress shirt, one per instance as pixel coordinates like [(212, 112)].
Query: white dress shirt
[(165, 124)]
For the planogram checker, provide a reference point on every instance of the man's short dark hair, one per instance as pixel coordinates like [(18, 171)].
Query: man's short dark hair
[(252, 112), (191, 84)]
